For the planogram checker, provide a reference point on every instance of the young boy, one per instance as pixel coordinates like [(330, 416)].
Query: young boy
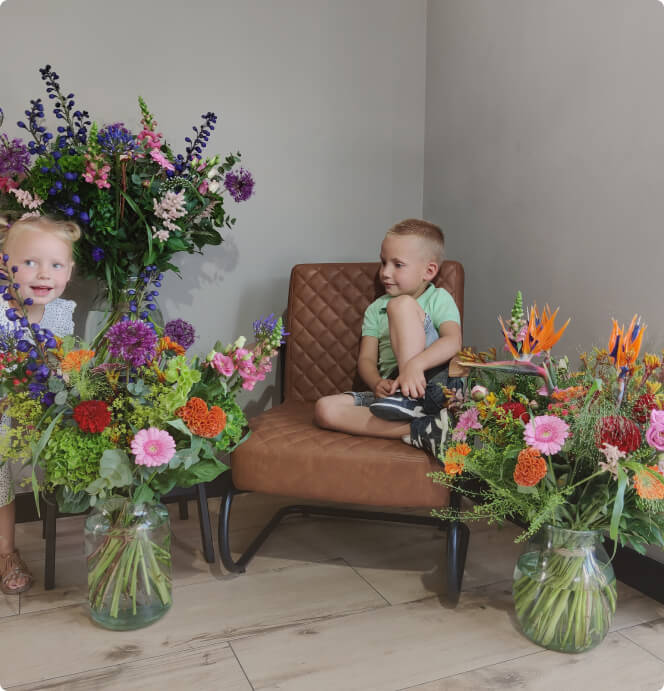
[(408, 336)]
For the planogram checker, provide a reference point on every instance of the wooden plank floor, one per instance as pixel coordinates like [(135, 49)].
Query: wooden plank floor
[(327, 604)]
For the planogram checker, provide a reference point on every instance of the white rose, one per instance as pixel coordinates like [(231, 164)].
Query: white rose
[(214, 187)]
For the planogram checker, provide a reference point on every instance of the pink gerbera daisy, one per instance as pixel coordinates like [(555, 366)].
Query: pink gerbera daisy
[(153, 447), (546, 433)]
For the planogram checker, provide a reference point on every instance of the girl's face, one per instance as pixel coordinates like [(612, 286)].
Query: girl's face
[(44, 263)]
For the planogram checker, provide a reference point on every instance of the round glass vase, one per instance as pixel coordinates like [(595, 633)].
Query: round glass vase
[(565, 589), (128, 550)]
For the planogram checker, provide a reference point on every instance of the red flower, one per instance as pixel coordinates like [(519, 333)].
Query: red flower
[(618, 431), (518, 410), (92, 416), (644, 404)]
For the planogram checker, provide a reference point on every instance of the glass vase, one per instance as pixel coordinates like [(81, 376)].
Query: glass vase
[(565, 589), (129, 563)]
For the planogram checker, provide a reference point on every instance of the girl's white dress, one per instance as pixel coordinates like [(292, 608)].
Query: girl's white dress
[(58, 318)]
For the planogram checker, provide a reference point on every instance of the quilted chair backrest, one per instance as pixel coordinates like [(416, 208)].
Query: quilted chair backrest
[(326, 304)]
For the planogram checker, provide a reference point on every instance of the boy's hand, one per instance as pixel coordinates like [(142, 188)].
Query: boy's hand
[(383, 388), (411, 381)]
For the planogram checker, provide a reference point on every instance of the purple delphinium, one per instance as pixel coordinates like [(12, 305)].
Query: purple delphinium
[(132, 341), (14, 156), (181, 332), (97, 254), (240, 184)]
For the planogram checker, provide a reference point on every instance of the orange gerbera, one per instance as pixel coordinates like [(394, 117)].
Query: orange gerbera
[(530, 467), (201, 421), (647, 486), (454, 458), (75, 359), (166, 343), (540, 334), (624, 346)]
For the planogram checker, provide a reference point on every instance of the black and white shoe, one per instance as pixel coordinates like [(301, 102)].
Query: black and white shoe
[(398, 408), (429, 433)]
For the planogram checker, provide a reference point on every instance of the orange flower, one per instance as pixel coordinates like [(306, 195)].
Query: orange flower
[(624, 345), (540, 334), (530, 467), (75, 359), (568, 394), (647, 486), (454, 458), (166, 343), (201, 421)]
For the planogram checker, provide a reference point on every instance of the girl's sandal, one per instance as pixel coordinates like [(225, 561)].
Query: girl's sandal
[(13, 568)]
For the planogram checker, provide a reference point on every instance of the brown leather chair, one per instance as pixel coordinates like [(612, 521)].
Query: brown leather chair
[(287, 454)]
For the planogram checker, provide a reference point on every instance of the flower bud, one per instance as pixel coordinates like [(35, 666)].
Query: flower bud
[(210, 355), (239, 343), (478, 393)]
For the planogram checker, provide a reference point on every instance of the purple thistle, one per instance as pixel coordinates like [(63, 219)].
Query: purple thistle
[(181, 332), (14, 156), (239, 184), (97, 254), (132, 341)]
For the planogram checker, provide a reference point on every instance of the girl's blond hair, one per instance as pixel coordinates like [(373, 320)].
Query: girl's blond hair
[(65, 230)]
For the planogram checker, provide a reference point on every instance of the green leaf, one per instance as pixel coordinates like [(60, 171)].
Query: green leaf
[(180, 426), (143, 495), (60, 398), (618, 504), (72, 502), (116, 468)]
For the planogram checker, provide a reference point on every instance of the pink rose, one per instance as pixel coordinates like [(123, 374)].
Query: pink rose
[(655, 433), (223, 364)]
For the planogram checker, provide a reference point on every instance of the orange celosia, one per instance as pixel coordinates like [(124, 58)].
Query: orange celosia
[(530, 467), (166, 343), (647, 486), (75, 359), (540, 334), (200, 420), (624, 346), (454, 458)]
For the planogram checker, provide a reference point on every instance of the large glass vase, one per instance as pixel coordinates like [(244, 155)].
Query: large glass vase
[(129, 563), (565, 589)]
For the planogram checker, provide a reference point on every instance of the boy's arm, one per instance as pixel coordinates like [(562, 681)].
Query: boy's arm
[(367, 366), (411, 379)]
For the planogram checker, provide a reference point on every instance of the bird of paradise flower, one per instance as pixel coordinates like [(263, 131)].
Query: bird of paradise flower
[(624, 347)]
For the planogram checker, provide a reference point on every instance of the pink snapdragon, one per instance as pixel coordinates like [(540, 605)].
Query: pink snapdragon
[(468, 420), (96, 175), (655, 432)]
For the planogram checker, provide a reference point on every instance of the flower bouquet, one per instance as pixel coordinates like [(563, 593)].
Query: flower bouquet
[(570, 454), (138, 202), (118, 428)]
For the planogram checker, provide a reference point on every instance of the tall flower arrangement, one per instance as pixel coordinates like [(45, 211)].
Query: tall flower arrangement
[(139, 203), (546, 444)]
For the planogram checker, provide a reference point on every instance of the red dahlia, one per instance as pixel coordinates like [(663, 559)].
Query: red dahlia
[(618, 431), (92, 416), (644, 404), (518, 410)]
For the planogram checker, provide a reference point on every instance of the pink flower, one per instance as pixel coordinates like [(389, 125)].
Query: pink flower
[(161, 159), (223, 364), (655, 433), (203, 187), (546, 433), (469, 419), (479, 393), (152, 447)]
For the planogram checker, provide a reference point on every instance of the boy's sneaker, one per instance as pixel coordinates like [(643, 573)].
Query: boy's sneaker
[(398, 408), (428, 433)]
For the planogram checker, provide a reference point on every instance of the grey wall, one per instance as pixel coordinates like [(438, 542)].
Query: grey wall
[(324, 99), (544, 158)]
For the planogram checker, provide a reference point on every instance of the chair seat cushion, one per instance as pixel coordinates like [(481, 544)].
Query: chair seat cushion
[(288, 454)]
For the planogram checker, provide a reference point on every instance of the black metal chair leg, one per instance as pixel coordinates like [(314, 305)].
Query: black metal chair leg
[(224, 539), (204, 522), (183, 506), (50, 515), (457, 547)]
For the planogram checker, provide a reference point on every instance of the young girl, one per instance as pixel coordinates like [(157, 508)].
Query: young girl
[(41, 248)]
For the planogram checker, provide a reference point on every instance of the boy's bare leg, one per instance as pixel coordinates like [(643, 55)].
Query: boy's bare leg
[(406, 319), (339, 413)]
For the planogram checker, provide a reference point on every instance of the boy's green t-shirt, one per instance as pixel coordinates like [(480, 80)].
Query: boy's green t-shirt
[(436, 302)]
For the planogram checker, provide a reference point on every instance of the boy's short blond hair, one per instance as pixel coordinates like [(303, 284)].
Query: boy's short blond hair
[(65, 230), (432, 236)]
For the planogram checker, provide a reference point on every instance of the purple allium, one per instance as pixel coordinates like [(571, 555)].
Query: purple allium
[(181, 332), (116, 139), (132, 341), (239, 184), (97, 254), (14, 157)]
